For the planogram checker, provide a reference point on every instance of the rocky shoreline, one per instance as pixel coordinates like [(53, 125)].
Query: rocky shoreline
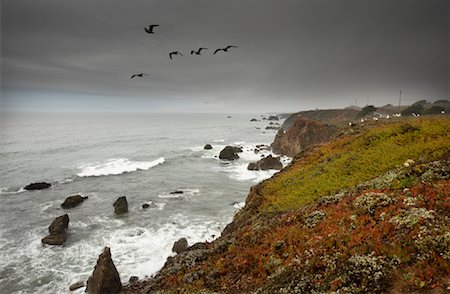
[(318, 247), (255, 254)]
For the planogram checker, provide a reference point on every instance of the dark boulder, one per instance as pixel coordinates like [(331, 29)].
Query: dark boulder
[(180, 245), (176, 192), (266, 163), (73, 201), (207, 147), (145, 205), (76, 286), (38, 186), (253, 119), (261, 147), (229, 153), (273, 117), (121, 205), (133, 279), (105, 278), (57, 230), (252, 166)]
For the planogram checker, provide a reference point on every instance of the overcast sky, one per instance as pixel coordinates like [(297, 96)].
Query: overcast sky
[(292, 55)]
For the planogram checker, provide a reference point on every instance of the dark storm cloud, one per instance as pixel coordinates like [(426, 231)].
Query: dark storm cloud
[(292, 54)]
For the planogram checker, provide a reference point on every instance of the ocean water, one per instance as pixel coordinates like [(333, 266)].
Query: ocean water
[(103, 156)]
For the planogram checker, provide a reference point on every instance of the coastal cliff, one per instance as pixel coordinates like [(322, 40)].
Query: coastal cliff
[(301, 134), (367, 212)]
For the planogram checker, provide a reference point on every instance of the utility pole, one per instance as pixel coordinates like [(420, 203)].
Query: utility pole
[(400, 98)]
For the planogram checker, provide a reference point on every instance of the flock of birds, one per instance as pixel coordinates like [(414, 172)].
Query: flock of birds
[(150, 29)]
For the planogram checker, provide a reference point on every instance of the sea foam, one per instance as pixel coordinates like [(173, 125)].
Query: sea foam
[(116, 166)]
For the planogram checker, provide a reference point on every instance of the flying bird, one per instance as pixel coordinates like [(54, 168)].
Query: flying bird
[(224, 49), (198, 51), (139, 75), (174, 53), (150, 28)]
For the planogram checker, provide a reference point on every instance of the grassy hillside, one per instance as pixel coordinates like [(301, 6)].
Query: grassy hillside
[(356, 158), (348, 216)]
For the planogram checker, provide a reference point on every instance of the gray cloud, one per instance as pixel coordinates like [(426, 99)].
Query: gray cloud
[(292, 55)]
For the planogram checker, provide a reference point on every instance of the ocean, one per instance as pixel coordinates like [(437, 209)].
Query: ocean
[(144, 157)]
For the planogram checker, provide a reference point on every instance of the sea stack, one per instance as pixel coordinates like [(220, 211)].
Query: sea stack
[(57, 230), (105, 278), (121, 205)]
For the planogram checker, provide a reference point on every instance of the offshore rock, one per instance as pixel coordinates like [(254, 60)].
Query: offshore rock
[(105, 278), (207, 147), (37, 186), (266, 163), (121, 205), (57, 230), (229, 153), (76, 286), (73, 201)]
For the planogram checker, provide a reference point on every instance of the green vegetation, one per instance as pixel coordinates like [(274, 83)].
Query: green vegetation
[(354, 159), (367, 213)]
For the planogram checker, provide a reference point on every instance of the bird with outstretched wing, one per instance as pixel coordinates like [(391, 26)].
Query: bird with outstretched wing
[(150, 28), (139, 75), (174, 53)]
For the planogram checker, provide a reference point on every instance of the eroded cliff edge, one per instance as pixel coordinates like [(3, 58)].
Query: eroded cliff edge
[(368, 212)]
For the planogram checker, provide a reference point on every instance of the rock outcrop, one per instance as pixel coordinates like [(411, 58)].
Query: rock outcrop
[(37, 186), (57, 230), (230, 153), (73, 201), (76, 286), (105, 278), (302, 134), (208, 147), (266, 163), (121, 205), (180, 246)]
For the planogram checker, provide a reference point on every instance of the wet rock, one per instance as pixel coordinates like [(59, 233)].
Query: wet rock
[(121, 205), (253, 119), (261, 147), (273, 117), (272, 128), (37, 186), (133, 279), (76, 286), (176, 192), (73, 201), (105, 278), (252, 166), (229, 153), (180, 245), (266, 163), (145, 205), (207, 147), (57, 230)]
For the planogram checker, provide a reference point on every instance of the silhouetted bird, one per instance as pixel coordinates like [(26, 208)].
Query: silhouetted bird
[(174, 53), (198, 51), (150, 28), (224, 49), (139, 75)]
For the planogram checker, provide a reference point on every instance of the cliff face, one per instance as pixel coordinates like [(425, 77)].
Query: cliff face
[(366, 213), (301, 134)]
